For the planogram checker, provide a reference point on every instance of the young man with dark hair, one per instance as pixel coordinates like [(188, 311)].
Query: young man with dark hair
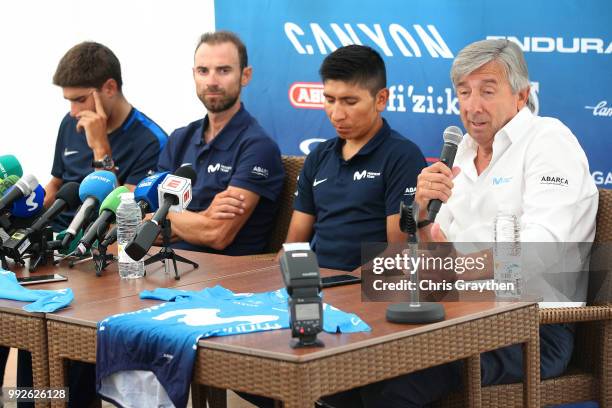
[(240, 173), (351, 186), (102, 130)]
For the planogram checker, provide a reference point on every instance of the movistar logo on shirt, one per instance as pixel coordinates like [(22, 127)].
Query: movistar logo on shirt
[(212, 168), (364, 174), (554, 180), (501, 180)]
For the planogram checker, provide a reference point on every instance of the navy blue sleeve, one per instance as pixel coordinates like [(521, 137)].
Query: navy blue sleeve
[(165, 162), (402, 171), (57, 170), (147, 161), (259, 168), (304, 199)]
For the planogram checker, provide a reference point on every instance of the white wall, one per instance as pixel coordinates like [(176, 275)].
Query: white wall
[(154, 40)]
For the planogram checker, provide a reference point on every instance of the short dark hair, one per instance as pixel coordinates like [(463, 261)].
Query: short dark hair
[(219, 37), (356, 64), (88, 64)]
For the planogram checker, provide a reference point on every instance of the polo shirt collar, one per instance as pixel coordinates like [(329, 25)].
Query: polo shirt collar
[(227, 136), (131, 117), (369, 147)]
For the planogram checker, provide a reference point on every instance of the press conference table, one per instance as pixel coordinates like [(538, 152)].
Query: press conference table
[(28, 331), (264, 364)]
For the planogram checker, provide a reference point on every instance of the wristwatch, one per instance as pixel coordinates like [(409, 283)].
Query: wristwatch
[(415, 211), (107, 163)]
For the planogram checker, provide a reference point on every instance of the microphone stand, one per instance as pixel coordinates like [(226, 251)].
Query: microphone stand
[(167, 252), (42, 249), (414, 311)]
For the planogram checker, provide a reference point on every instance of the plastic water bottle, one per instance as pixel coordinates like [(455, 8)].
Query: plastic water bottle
[(507, 254), (129, 218)]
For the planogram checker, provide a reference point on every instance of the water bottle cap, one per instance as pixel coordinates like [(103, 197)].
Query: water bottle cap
[(507, 208), (126, 196)]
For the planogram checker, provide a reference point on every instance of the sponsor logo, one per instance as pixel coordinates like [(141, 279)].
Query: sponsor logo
[(317, 182), (187, 195), (94, 176), (308, 95), (501, 180), (559, 44), (414, 42), (601, 109), (174, 183), (410, 191), (305, 146), (364, 174), (69, 152), (32, 205), (404, 98), (600, 178), (212, 168), (260, 171), (554, 180)]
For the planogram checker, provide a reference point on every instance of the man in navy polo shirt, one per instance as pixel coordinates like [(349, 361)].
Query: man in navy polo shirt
[(351, 186), (102, 130), (238, 166)]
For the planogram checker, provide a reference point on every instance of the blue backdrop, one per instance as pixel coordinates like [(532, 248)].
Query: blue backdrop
[(567, 45)]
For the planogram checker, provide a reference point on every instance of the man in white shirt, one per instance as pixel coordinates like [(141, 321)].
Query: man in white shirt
[(510, 158)]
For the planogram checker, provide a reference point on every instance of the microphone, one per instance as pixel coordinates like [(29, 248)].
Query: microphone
[(67, 198), (93, 190), (174, 193), (452, 137), (27, 207), (9, 166), (108, 208), (146, 197), (22, 188), (7, 183)]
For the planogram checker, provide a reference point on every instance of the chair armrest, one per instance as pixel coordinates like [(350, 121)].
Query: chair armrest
[(575, 314)]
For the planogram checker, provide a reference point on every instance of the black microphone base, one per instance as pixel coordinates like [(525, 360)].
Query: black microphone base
[(414, 313), (168, 253)]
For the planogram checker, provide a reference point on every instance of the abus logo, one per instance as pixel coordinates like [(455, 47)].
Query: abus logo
[(602, 179), (307, 95), (559, 44), (411, 45), (601, 109)]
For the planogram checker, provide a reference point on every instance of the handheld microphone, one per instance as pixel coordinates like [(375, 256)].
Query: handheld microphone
[(173, 193), (22, 188), (67, 198), (7, 183), (452, 137), (27, 207), (108, 209), (9, 166), (93, 190)]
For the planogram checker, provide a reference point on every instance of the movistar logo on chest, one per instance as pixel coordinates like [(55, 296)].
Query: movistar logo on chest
[(364, 174), (501, 180), (213, 168), (554, 180)]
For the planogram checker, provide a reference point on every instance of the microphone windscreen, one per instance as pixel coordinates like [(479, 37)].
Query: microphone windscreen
[(112, 201), (31, 205), (10, 166), (98, 184), (146, 190), (7, 183), (69, 192), (186, 172)]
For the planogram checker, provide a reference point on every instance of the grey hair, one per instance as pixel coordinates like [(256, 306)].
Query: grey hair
[(507, 53)]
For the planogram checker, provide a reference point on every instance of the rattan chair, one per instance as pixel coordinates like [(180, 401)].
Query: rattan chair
[(293, 166), (589, 375)]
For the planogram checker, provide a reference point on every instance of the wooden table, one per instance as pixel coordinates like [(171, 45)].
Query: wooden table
[(28, 331), (264, 364)]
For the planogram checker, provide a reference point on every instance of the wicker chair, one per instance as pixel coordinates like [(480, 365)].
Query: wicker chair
[(293, 166), (589, 375)]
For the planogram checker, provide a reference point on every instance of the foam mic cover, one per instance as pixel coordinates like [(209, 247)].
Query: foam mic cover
[(7, 183), (22, 188), (98, 184), (146, 190), (9, 166), (67, 198), (27, 207)]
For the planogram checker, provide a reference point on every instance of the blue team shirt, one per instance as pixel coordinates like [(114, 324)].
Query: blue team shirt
[(163, 339), (241, 155), (352, 199), (135, 146)]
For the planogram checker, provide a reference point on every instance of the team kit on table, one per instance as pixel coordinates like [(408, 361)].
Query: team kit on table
[(214, 185)]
